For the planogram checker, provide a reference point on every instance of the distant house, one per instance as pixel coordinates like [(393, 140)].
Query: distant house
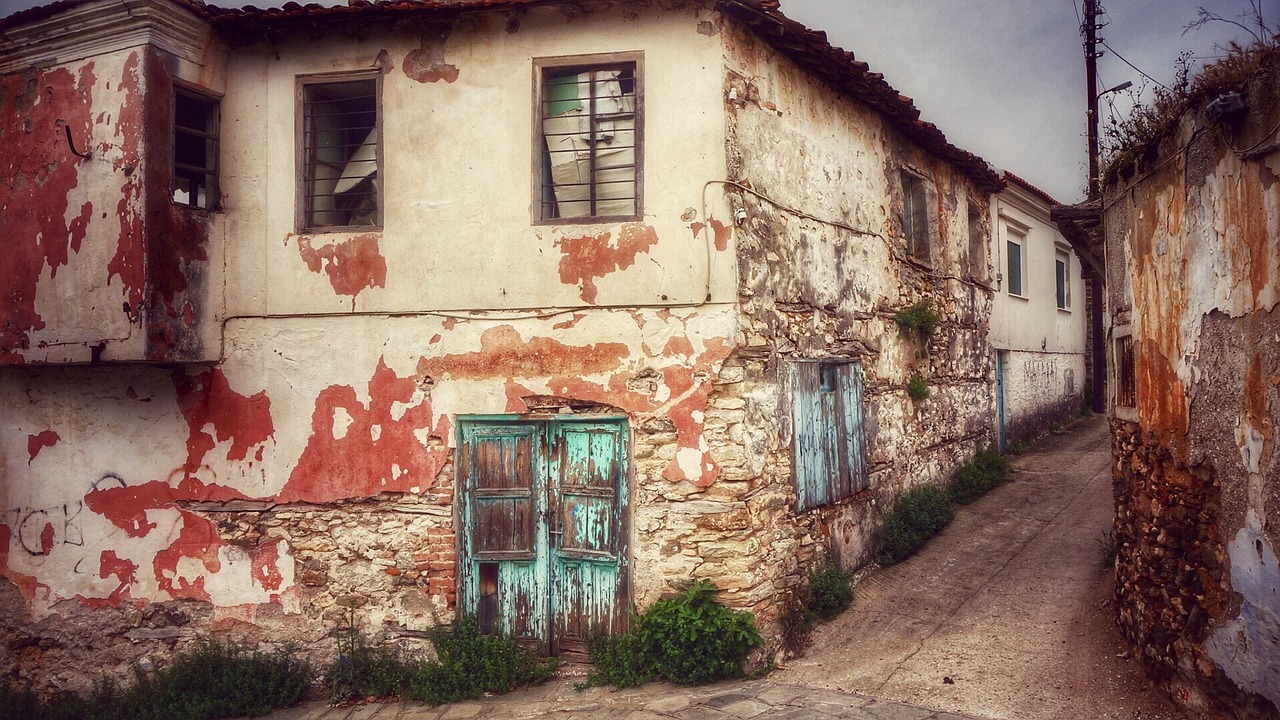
[(526, 310), (1037, 315)]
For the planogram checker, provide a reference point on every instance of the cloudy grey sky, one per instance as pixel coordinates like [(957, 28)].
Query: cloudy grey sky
[(1001, 78), (1005, 78)]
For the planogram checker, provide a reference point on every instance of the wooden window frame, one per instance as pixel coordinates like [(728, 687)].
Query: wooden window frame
[(302, 209), (540, 173), (1062, 279), (915, 225), (1021, 242), (978, 266), (212, 136)]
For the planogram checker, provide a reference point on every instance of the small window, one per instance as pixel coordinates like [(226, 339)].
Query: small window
[(828, 445), (915, 216), (1062, 267), (589, 140), (1014, 242), (977, 243), (1128, 391), (341, 154), (195, 150)]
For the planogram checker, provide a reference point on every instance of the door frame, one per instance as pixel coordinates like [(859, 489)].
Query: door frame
[(471, 605)]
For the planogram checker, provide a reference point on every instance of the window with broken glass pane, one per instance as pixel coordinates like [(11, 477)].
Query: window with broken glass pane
[(590, 141), (195, 149), (341, 148)]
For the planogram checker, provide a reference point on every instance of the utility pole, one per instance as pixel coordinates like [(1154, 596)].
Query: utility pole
[(1091, 53), (1097, 284)]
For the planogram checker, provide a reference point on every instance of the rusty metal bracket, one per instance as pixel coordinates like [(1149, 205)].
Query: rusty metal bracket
[(71, 144)]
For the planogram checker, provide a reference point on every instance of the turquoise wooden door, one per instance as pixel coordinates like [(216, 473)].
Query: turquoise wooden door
[(544, 531)]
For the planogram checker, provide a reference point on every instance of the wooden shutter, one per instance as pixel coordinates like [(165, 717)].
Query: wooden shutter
[(499, 470)]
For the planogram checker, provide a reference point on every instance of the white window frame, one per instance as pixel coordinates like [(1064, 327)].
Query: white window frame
[(1016, 235), (1062, 280)]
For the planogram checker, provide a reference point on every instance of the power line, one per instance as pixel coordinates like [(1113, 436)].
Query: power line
[(1104, 44)]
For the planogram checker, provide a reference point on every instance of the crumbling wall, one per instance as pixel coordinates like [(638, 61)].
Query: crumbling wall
[(1194, 279), (101, 265), (828, 286)]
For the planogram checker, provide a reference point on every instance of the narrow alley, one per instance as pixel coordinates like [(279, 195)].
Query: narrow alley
[(1007, 613)]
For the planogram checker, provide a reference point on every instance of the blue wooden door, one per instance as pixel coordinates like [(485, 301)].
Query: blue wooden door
[(543, 511), (829, 445), (1000, 355)]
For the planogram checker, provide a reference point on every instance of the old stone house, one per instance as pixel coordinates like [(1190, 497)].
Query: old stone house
[(1192, 246), (1037, 315), (520, 308)]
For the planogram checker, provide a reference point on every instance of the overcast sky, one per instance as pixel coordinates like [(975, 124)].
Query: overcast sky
[(1005, 78), (1002, 78)]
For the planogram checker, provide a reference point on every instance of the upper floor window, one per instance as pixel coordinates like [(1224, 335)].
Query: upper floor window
[(915, 215), (1062, 269), (1015, 241), (340, 155), (589, 138), (977, 243), (195, 149)]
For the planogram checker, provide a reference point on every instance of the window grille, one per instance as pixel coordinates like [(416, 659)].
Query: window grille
[(341, 149), (1128, 391), (591, 140), (195, 150)]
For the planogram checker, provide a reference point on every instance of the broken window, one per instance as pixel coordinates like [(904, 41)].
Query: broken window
[(589, 140), (195, 149), (828, 442), (1062, 268), (1014, 242), (341, 152), (915, 215), (1128, 391)]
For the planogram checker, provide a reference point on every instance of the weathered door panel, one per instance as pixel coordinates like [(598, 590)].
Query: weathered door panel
[(503, 476), (589, 580), (544, 534), (827, 425)]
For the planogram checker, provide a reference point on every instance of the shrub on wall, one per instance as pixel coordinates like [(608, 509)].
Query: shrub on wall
[(687, 639), (919, 317), (213, 680), (978, 476), (916, 516)]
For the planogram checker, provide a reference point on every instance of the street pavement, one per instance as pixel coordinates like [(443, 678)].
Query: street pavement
[(742, 700), (1005, 615)]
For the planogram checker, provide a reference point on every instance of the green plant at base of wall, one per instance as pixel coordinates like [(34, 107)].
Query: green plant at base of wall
[(471, 663), (689, 639), (919, 317), (830, 590), (978, 476), (212, 680), (916, 516), (918, 388)]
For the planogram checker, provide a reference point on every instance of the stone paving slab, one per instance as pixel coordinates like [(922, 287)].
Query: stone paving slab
[(742, 700)]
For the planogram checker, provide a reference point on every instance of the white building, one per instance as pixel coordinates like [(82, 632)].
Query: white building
[(1038, 317)]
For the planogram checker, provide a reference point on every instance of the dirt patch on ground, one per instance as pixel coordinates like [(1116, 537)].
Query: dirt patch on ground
[(1007, 613)]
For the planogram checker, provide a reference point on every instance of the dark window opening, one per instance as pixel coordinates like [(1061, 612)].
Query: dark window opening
[(195, 150), (590, 142), (1062, 268), (1128, 390), (915, 216), (341, 153), (977, 244)]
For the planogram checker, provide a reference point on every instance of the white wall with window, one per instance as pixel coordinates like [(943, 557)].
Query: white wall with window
[(1038, 319)]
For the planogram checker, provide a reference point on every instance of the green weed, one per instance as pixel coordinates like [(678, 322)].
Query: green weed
[(916, 516)]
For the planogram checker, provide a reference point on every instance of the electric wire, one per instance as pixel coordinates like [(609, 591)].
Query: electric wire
[(1137, 69)]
